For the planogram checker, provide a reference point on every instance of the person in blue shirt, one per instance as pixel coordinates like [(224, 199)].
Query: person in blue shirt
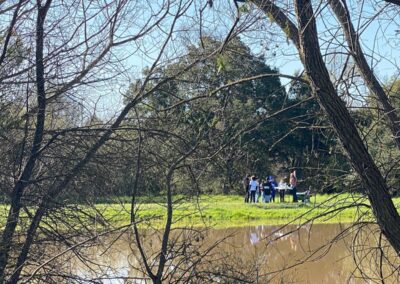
[(253, 188)]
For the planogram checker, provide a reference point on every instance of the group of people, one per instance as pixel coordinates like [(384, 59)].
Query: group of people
[(267, 188)]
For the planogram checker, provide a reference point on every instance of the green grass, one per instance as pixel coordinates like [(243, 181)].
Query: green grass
[(231, 211), (227, 211)]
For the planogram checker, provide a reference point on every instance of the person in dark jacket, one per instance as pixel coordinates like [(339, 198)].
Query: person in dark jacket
[(246, 188), (267, 189), (273, 187)]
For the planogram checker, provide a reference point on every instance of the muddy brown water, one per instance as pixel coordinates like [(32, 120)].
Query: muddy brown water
[(259, 254)]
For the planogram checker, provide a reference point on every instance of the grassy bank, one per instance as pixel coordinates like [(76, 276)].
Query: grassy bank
[(223, 211), (229, 211)]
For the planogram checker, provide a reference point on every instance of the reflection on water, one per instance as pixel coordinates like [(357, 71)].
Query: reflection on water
[(265, 253)]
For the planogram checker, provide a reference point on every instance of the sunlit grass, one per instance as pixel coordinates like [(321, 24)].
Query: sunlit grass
[(226, 211), (229, 211)]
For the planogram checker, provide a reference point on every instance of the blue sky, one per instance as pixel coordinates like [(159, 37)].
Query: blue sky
[(378, 34)]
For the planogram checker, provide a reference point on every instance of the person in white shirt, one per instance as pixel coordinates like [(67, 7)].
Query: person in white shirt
[(282, 188)]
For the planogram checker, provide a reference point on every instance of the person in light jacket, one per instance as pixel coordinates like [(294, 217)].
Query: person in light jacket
[(253, 188)]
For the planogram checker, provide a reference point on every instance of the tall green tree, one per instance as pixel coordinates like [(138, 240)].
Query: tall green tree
[(249, 120)]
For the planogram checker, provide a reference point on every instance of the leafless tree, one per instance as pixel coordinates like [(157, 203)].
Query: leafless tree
[(64, 63), (56, 56), (304, 34)]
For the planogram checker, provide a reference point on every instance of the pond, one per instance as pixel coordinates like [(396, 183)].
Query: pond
[(258, 254)]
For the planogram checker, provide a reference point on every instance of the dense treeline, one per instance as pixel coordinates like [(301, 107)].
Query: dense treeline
[(254, 126)]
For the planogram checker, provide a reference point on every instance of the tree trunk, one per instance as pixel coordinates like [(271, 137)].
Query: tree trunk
[(352, 38), (395, 2), (23, 180), (372, 180), (309, 50)]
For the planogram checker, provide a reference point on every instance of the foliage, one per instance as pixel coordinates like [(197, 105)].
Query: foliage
[(244, 115)]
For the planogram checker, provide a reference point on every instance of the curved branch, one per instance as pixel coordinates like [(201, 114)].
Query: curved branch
[(342, 14), (23, 181), (278, 16), (384, 210), (10, 31)]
